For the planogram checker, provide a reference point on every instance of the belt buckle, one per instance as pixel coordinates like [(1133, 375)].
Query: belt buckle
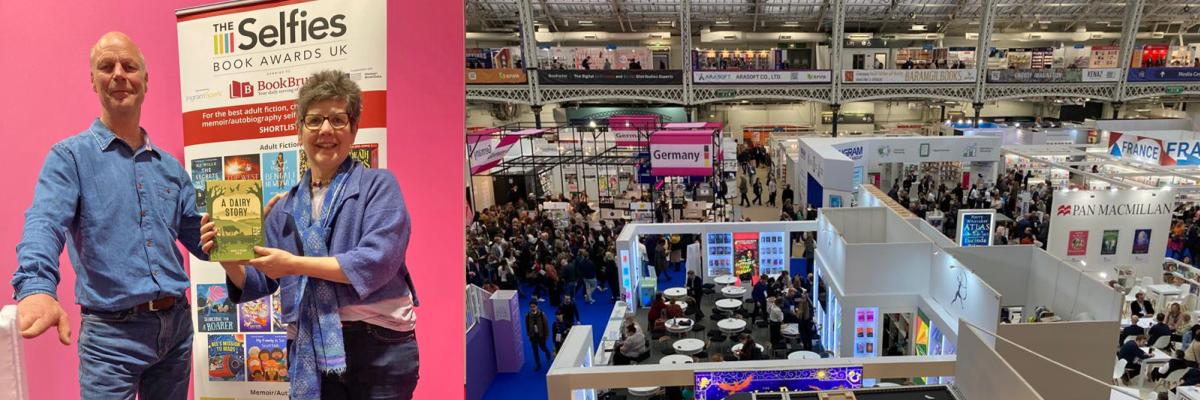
[(153, 307)]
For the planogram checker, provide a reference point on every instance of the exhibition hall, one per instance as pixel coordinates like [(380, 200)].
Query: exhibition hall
[(832, 199)]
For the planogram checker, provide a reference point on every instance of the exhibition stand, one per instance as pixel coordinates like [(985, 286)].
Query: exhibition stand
[(829, 170), (742, 250)]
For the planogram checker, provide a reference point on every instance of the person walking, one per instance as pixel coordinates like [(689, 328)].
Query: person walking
[(743, 189), (771, 192), (758, 192), (537, 329), (587, 271)]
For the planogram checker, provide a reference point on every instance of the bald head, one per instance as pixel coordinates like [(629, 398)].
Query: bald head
[(115, 40)]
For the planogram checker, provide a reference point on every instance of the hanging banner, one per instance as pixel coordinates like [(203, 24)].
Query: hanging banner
[(1141, 149), (976, 227), (1164, 74), (486, 152), (610, 77), (241, 67), (681, 153), (496, 76), (908, 76), (786, 77), (1053, 75), (633, 130)]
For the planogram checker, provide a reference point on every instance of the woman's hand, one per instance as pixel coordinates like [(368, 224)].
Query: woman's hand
[(275, 263), (208, 242)]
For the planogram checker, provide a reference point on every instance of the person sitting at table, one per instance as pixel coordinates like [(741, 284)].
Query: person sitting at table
[(1141, 307), (633, 347), (1132, 353), (1191, 353), (1175, 317), (1159, 329), (674, 310), (656, 308), (1175, 363), (694, 285), (1132, 330), (1189, 334), (750, 350)]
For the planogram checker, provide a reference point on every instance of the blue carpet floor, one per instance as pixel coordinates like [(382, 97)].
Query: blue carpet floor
[(531, 383)]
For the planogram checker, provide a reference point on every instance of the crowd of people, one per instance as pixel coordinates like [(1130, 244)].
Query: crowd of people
[(1174, 326), (1011, 195)]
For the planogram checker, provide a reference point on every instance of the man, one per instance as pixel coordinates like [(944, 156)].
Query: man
[(1141, 306), (633, 347), (587, 271), (561, 328), (537, 329), (1159, 329), (1132, 330), (119, 204), (759, 295), (744, 201), (788, 194), (1132, 353), (569, 310), (694, 285)]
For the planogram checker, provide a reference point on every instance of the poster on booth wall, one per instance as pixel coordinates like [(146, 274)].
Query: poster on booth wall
[(1141, 241), (1108, 245), (718, 385), (745, 255), (238, 92), (1077, 243)]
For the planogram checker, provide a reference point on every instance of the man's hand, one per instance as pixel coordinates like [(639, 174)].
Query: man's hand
[(37, 313)]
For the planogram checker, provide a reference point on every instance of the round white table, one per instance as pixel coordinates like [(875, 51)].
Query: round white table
[(731, 325), (676, 359), (729, 304), (803, 355), (675, 293), (682, 304), (738, 347), (688, 346), (679, 325), (644, 391), (725, 280), (887, 384), (733, 292)]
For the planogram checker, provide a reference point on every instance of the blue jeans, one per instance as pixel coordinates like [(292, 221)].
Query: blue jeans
[(381, 364), (126, 353)]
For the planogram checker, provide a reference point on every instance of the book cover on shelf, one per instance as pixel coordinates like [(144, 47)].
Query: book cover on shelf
[(204, 170), (242, 167), (226, 358), (214, 311), (236, 208)]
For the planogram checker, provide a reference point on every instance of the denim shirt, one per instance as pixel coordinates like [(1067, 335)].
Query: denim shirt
[(369, 240), (119, 212)]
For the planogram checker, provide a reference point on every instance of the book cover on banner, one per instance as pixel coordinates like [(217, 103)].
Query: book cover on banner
[(267, 358), (277, 324), (244, 167), (204, 170), (214, 311), (236, 208), (226, 358), (279, 173), (1108, 246), (366, 154), (255, 315)]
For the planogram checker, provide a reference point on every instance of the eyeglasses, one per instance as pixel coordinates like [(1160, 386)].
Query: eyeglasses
[(337, 121)]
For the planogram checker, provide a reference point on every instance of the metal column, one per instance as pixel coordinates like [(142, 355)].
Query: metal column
[(529, 50), (988, 8), (1129, 28), (685, 44)]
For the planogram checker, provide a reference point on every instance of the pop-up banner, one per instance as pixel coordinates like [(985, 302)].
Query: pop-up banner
[(975, 227), (681, 153), (241, 67)]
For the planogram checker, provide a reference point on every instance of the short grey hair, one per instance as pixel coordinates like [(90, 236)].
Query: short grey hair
[(329, 85)]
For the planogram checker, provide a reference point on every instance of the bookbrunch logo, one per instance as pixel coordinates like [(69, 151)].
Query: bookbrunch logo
[(240, 89)]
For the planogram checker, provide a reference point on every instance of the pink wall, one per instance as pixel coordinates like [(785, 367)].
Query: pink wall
[(48, 98)]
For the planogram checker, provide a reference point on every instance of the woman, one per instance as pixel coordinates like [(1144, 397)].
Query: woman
[(335, 247), (1175, 317)]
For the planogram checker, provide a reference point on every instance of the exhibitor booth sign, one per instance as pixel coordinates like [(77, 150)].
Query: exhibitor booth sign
[(611, 77), (1164, 74), (1154, 151), (1104, 229), (908, 76), (681, 153), (718, 77), (1053, 75)]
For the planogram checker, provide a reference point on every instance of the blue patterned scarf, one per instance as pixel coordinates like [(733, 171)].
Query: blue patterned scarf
[(319, 348)]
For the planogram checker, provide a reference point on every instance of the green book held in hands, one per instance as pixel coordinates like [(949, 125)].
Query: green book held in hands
[(236, 208)]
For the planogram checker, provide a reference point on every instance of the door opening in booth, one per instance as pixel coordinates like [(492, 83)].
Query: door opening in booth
[(896, 327)]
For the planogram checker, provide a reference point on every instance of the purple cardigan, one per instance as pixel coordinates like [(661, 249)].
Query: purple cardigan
[(370, 238)]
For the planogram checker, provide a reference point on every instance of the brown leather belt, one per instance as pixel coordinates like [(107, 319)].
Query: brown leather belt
[(157, 305)]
